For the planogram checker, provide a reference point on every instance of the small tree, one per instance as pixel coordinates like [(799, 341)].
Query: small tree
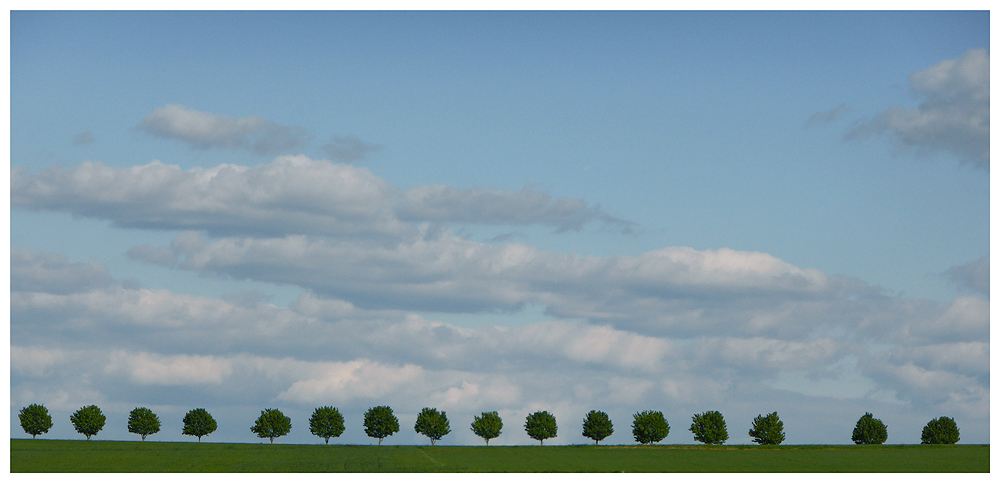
[(941, 430), (541, 425), (197, 422), (768, 429), (88, 420), (649, 427), (380, 423), (271, 424), (432, 424), (143, 422), (870, 430), (35, 420), (709, 427), (487, 426), (326, 422), (597, 426)]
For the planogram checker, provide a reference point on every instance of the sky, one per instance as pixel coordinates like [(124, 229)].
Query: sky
[(746, 212)]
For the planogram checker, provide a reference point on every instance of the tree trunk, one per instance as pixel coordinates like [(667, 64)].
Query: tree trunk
[(327, 440), (144, 437), (380, 441)]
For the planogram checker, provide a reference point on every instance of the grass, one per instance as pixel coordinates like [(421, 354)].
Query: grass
[(154, 457)]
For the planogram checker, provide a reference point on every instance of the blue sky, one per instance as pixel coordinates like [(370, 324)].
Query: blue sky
[(512, 211)]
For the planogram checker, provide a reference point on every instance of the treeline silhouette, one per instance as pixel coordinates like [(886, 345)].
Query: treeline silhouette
[(327, 422)]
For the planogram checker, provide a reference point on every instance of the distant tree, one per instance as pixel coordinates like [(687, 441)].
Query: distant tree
[(432, 423), (326, 422), (597, 426), (541, 425), (487, 426), (649, 427), (709, 427), (941, 430), (88, 420), (35, 419), (870, 430), (380, 423), (271, 424), (197, 422), (143, 422), (768, 429)]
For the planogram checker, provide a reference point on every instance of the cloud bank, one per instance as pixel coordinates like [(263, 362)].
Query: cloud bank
[(290, 195)]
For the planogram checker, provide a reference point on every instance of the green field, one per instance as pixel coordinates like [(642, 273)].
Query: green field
[(121, 456)]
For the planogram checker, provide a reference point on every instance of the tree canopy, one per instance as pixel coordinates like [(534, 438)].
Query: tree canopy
[(35, 419), (271, 423), (541, 425), (326, 422), (197, 422), (432, 423), (709, 427), (144, 422), (88, 420), (870, 430), (597, 426), (768, 429), (380, 422), (941, 430), (487, 426), (649, 427)]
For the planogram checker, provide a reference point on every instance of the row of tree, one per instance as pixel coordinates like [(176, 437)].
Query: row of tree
[(327, 422)]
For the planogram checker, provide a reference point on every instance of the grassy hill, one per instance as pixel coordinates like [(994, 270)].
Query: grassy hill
[(122, 456)]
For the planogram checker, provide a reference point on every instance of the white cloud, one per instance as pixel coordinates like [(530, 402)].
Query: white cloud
[(290, 195), (175, 370), (676, 291), (206, 130), (954, 116)]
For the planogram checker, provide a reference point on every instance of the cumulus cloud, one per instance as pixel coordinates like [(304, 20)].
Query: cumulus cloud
[(205, 130), (954, 116), (974, 275), (350, 148), (292, 194)]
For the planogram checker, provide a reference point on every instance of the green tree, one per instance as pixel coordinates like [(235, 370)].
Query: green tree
[(271, 424), (649, 427), (941, 430), (768, 429), (326, 422), (143, 422), (870, 430), (541, 425), (35, 419), (709, 427), (432, 423), (380, 423), (88, 420), (597, 426), (487, 426), (197, 422)]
